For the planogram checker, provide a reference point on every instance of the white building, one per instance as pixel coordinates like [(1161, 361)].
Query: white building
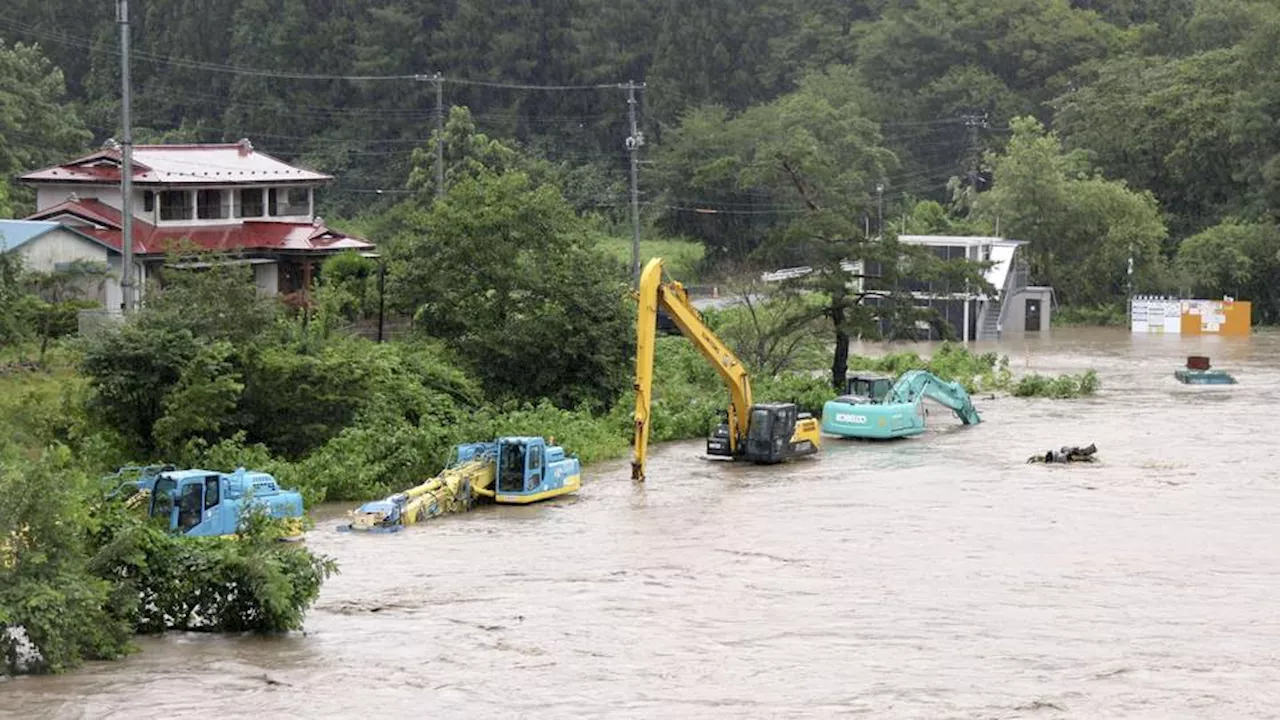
[(1015, 307)]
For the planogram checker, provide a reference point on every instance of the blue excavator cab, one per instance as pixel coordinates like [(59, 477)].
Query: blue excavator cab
[(529, 469), (204, 503)]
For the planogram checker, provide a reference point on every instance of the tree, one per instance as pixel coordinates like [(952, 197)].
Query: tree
[(932, 64), (38, 126), (1082, 228), (56, 290), (172, 372), (16, 304), (817, 157), (712, 52), (467, 153), (769, 330), (502, 270), (219, 301), (1239, 259)]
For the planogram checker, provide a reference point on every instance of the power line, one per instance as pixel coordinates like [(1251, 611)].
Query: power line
[(291, 75)]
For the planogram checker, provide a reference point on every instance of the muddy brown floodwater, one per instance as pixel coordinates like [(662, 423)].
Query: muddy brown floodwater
[(936, 577)]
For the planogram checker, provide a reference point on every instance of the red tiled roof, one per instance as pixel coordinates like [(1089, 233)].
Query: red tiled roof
[(91, 210), (250, 235), (180, 165)]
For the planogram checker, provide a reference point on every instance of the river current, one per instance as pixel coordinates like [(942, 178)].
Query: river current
[(936, 577)]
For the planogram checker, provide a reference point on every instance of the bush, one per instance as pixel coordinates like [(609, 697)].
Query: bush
[(977, 373), (1107, 315), (981, 373), (253, 583), (53, 611), (1063, 386), (80, 572)]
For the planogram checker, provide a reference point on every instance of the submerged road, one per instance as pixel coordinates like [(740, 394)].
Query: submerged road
[(936, 577)]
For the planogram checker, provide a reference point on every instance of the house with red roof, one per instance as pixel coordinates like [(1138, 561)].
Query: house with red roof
[(244, 205)]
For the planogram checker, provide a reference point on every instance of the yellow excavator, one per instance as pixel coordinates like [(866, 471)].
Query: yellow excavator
[(763, 433)]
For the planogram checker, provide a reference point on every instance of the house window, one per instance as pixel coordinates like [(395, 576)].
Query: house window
[(209, 205), (299, 201), (175, 205), (289, 201), (148, 201), (250, 203)]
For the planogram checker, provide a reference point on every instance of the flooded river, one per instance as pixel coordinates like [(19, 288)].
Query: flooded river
[(937, 577)]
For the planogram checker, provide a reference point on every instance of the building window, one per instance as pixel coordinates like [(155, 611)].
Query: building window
[(175, 205), (299, 201), (148, 201), (250, 203), (289, 202), (209, 205)]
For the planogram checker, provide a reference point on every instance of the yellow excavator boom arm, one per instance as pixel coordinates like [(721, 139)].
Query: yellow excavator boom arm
[(672, 298)]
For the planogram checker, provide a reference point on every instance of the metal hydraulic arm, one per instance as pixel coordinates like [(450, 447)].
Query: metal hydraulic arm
[(915, 385), (764, 434), (674, 300)]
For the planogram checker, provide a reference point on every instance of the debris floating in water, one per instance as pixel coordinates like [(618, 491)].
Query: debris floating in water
[(1067, 455)]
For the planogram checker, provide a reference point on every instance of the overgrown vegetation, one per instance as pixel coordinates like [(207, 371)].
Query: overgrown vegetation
[(1063, 386), (1099, 129), (80, 573)]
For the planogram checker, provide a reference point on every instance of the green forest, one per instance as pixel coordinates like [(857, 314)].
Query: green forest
[(1096, 129)]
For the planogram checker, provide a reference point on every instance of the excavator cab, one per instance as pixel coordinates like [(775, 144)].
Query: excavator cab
[(531, 469), (866, 388), (513, 470), (769, 432), (771, 435)]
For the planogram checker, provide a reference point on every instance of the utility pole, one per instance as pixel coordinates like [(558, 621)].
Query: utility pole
[(973, 122), (382, 288), (1129, 286), (634, 142), (880, 209), (439, 135), (126, 162)]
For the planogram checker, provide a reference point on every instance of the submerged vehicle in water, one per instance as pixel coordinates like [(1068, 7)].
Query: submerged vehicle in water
[(873, 409), (1199, 372), (1074, 454), (205, 503), (761, 433), (509, 471)]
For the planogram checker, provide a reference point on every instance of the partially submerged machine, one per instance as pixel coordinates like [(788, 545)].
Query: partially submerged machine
[(762, 433), (526, 470), (1077, 454), (873, 409), (205, 503), (1199, 372)]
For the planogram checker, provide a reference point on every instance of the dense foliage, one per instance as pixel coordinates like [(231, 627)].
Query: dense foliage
[(1154, 116), (80, 573)]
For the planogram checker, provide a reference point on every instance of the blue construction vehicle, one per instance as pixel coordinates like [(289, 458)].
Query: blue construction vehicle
[(509, 470), (205, 503), (871, 409)]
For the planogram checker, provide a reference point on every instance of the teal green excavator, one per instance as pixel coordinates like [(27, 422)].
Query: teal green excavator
[(872, 409)]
